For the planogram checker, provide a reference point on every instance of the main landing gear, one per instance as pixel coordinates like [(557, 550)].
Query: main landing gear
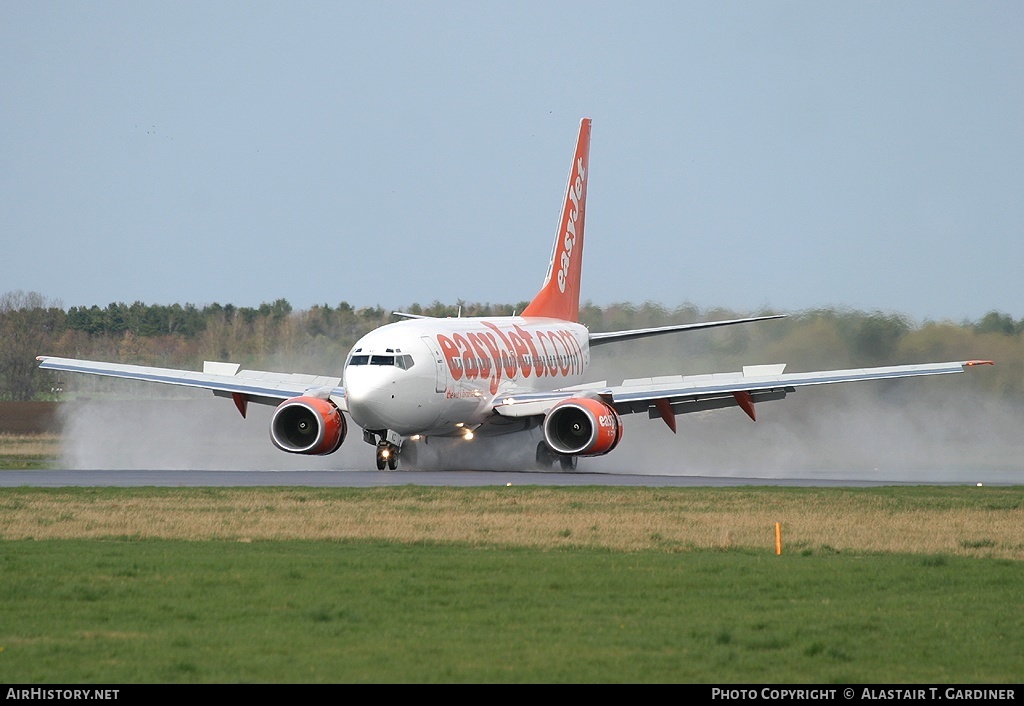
[(546, 458)]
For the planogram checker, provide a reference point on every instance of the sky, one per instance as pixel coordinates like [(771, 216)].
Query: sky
[(746, 155)]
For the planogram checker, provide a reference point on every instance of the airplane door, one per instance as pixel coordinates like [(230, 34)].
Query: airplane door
[(442, 371)]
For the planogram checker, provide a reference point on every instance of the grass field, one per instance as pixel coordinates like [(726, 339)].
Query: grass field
[(956, 520), (164, 611), (522, 584), (29, 451)]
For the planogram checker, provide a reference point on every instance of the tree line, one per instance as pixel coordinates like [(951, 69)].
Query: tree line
[(275, 336)]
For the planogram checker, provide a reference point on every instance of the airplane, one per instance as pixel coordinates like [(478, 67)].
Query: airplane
[(421, 377)]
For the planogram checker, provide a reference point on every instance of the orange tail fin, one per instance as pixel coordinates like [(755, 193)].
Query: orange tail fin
[(559, 296)]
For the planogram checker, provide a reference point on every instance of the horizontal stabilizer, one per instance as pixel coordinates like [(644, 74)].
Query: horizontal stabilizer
[(404, 315), (609, 336)]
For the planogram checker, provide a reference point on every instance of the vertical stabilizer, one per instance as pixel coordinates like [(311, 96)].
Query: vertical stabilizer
[(559, 297)]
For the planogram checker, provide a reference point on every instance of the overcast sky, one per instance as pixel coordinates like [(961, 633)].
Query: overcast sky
[(745, 154)]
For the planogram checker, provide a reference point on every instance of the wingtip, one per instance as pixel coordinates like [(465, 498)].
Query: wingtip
[(970, 363)]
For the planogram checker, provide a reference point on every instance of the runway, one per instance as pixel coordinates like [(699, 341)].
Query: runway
[(370, 479), (193, 443)]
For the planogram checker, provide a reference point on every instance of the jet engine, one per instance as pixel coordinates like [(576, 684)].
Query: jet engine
[(582, 426), (308, 425)]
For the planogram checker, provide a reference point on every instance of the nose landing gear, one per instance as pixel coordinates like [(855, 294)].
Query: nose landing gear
[(387, 455), (388, 445)]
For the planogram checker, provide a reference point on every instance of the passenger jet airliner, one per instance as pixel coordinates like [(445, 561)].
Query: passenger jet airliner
[(426, 377)]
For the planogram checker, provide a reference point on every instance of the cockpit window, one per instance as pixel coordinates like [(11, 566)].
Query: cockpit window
[(400, 361)]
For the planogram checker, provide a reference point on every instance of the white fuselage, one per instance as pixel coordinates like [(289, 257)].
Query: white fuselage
[(441, 376)]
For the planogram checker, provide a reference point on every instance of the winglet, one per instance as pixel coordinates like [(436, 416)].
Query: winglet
[(970, 363), (559, 296)]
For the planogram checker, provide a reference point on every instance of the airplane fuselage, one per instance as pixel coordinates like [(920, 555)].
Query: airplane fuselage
[(441, 376)]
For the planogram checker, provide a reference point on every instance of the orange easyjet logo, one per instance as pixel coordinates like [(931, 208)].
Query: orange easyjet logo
[(490, 354), (570, 218)]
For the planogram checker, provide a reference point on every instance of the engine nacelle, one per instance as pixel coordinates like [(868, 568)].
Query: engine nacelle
[(308, 425), (582, 426)]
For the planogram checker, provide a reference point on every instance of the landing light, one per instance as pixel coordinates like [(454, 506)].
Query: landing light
[(415, 437), (468, 436), (385, 453)]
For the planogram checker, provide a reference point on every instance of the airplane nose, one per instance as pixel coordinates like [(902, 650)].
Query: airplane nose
[(365, 399), (389, 398), (357, 391)]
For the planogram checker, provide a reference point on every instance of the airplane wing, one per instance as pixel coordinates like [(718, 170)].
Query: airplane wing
[(223, 379), (668, 396)]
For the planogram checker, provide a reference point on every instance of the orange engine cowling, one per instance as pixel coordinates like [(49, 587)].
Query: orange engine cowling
[(582, 426), (308, 425)]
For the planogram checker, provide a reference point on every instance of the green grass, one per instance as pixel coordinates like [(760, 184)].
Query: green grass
[(167, 611)]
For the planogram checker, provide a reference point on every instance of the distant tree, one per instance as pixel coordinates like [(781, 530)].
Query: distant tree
[(187, 320), (997, 322), (592, 316), (116, 317), (878, 337), (29, 323), (874, 339), (372, 313), (277, 311)]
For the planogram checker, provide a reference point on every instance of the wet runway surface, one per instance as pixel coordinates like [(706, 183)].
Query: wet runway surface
[(369, 479)]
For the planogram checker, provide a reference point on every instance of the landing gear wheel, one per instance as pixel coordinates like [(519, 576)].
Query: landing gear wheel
[(387, 455), (545, 456)]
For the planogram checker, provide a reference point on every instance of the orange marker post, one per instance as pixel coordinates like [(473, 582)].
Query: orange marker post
[(778, 538)]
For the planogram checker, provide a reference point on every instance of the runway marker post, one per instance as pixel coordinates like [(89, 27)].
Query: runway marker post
[(778, 538)]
